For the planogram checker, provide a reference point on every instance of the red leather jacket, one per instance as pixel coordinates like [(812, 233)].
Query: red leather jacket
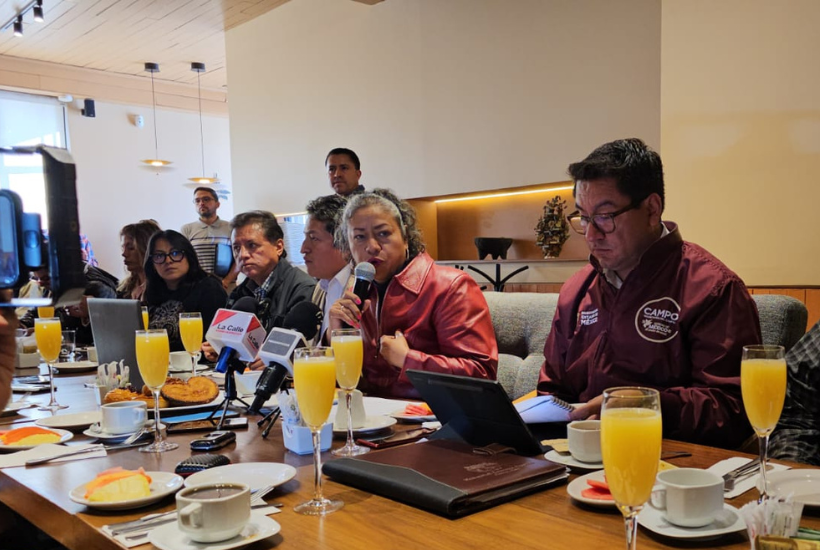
[(444, 317)]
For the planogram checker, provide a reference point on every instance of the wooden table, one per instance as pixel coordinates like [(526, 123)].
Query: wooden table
[(548, 519)]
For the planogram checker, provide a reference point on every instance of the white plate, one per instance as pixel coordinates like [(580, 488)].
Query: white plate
[(728, 521), (162, 485), (371, 424), (105, 436), (169, 537), (212, 404), (577, 485), (73, 422), (400, 415), (64, 436), (76, 366), (803, 485), (254, 474), (567, 460), (15, 406)]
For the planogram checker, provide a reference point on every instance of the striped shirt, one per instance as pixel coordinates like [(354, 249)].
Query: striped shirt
[(204, 239)]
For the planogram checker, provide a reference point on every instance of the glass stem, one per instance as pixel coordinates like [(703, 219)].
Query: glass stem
[(157, 432), (193, 364), (763, 444), (349, 401), (317, 464), (51, 383), (631, 525)]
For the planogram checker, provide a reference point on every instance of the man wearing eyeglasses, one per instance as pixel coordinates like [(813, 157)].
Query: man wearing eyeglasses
[(650, 309), (209, 232)]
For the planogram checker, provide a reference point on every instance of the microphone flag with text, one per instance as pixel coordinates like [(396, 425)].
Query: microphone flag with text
[(301, 324), (236, 333)]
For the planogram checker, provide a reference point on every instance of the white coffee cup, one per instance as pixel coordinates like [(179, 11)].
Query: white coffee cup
[(123, 417), (689, 497), (92, 353), (181, 360), (584, 438), (213, 512)]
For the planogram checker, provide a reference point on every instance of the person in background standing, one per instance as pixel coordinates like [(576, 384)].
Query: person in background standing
[(208, 232), (344, 171)]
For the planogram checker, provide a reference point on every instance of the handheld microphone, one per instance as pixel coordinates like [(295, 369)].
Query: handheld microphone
[(302, 322), (365, 273), (235, 333)]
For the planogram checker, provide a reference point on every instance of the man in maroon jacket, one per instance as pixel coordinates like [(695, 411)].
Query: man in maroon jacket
[(651, 309)]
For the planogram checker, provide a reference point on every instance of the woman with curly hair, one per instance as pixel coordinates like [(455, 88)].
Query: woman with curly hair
[(133, 243), (176, 283), (419, 315)]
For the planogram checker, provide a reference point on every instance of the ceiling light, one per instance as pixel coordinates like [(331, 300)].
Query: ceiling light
[(154, 68), (199, 68), (18, 26), (38, 11)]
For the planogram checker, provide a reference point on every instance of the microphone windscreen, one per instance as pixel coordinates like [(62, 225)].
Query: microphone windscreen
[(305, 317), (365, 270), (246, 304)]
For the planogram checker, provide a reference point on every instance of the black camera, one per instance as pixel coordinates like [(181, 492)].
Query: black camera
[(22, 247)]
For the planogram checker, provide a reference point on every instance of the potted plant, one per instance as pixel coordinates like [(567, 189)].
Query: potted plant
[(553, 229)]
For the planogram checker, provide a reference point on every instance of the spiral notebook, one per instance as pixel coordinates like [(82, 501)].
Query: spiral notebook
[(544, 408), (480, 413)]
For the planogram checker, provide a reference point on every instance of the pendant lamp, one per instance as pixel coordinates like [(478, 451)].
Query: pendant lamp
[(199, 68), (156, 161)]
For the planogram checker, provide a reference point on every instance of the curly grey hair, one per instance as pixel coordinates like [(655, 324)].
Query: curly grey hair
[(403, 214)]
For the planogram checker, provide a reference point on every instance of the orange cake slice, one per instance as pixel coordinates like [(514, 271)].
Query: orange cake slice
[(118, 484), (29, 436)]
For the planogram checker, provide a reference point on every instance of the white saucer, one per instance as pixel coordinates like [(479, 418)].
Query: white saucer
[(254, 474), (803, 485), (169, 537), (567, 460), (13, 406), (64, 436), (73, 421), (105, 436), (76, 366), (728, 521), (371, 424), (579, 484), (162, 485)]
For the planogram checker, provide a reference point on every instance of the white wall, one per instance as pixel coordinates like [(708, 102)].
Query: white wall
[(741, 133), (436, 96), (114, 188)]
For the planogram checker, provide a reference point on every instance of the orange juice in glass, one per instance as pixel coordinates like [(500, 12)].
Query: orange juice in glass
[(314, 378), (190, 331), (44, 312), (348, 349), (631, 435), (144, 318), (153, 354), (763, 386), (48, 332)]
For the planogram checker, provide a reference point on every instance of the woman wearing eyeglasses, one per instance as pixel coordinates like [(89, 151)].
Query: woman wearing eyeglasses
[(176, 283)]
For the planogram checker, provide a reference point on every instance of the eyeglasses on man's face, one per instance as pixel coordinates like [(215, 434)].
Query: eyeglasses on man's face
[(174, 256), (605, 223), (203, 200)]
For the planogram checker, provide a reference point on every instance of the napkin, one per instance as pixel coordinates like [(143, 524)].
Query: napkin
[(140, 537), (50, 449), (725, 466)]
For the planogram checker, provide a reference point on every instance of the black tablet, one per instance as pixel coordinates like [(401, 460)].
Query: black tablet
[(475, 410)]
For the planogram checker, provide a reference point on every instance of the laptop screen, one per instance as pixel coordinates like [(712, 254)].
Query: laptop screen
[(113, 324)]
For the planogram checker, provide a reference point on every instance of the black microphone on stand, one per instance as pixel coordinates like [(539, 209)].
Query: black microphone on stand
[(364, 273), (300, 326)]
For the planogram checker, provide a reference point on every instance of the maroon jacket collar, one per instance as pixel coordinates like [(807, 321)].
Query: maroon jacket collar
[(412, 277)]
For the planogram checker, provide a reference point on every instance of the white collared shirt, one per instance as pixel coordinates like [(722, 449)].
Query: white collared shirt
[(334, 289)]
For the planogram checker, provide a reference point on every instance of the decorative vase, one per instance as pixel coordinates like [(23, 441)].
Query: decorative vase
[(494, 246)]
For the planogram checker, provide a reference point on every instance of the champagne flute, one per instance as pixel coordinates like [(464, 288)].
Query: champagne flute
[(314, 377), (144, 310), (348, 352), (763, 386), (153, 354), (631, 435), (48, 332), (190, 330)]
